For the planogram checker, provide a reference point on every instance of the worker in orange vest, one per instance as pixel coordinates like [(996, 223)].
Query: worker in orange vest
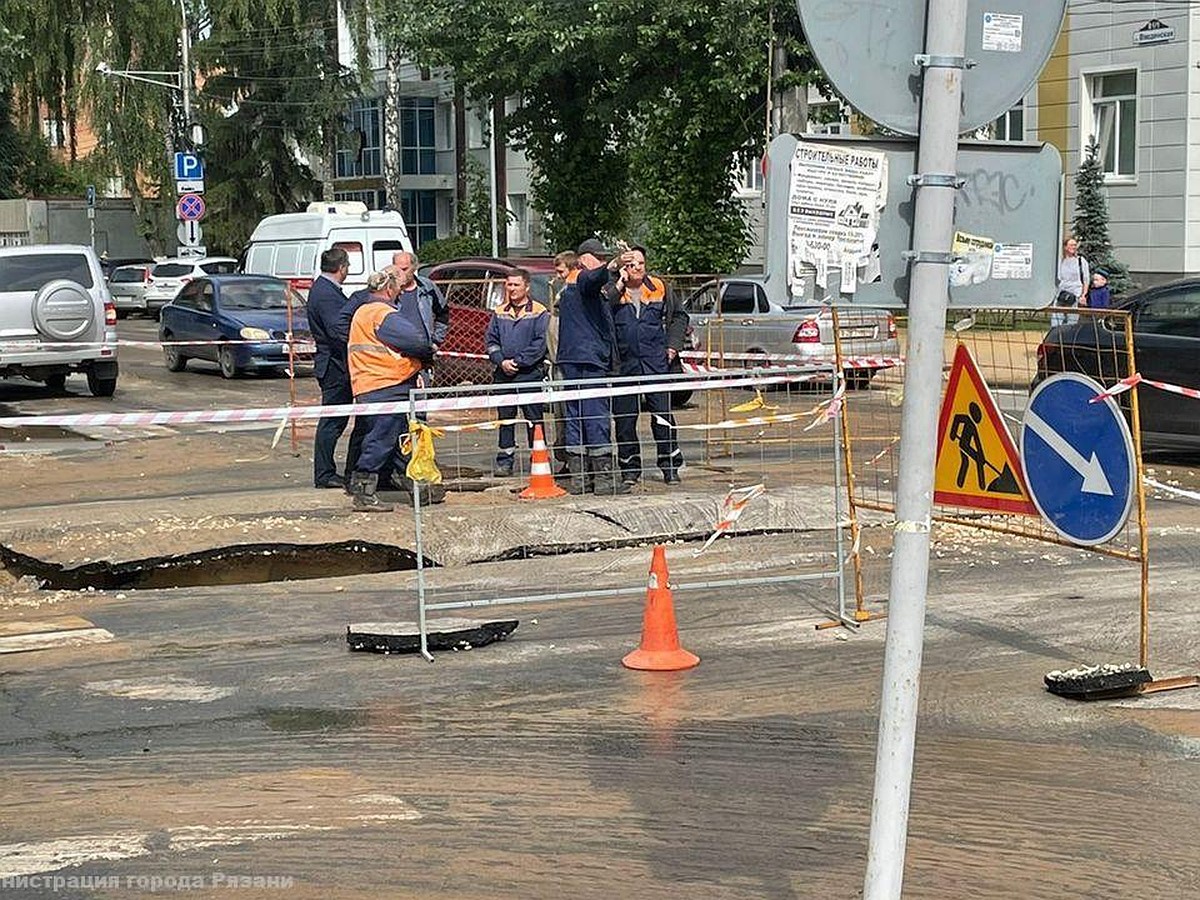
[(388, 347)]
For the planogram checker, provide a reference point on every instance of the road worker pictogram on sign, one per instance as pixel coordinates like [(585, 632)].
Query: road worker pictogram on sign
[(977, 463)]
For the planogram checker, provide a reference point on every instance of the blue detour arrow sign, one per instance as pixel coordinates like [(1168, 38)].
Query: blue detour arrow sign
[(1078, 459)]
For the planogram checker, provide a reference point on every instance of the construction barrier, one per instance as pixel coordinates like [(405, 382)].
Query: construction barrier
[(784, 477), (995, 358)]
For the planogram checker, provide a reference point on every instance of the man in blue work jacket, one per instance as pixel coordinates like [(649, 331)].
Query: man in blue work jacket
[(325, 303), (515, 342), (587, 351), (650, 328)]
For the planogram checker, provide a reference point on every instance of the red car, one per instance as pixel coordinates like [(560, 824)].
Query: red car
[(474, 287)]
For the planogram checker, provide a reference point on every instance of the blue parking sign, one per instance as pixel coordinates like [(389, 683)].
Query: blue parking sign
[(1078, 458), (188, 167)]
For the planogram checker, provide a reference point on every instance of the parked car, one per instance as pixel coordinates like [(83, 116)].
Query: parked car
[(736, 317), (220, 309), (109, 264), (474, 287), (57, 317), (1166, 343), (168, 276), (289, 245), (128, 285)]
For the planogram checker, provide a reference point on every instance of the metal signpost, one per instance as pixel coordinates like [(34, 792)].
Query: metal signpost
[(1078, 458), (90, 197), (903, 63)]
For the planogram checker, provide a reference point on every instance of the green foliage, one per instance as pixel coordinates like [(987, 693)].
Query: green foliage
[(1091, 221), (454, 247), (630, 110), (271, 86)]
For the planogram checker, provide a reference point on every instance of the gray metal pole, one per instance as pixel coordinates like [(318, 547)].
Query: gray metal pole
[(185, 74), (495, 217), (933, 227)]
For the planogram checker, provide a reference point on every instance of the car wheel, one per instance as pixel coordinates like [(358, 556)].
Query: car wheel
[(101, 387), (176, 361), (228, 362), (57, 382)]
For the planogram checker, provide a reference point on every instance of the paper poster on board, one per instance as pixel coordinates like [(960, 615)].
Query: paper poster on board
[(834, 203)]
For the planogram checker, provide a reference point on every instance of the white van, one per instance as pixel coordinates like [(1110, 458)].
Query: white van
[(289, 245)]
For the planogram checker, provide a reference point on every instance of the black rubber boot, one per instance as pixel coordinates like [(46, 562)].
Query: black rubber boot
[(578, 479), (362, 486), (606, 480)]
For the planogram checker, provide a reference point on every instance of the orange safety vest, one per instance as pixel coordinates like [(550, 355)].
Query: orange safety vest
[(374, 365)]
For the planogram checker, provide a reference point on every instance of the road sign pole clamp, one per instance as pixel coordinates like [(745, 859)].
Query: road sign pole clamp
[(925, 61), (936, 179), (916, 257)]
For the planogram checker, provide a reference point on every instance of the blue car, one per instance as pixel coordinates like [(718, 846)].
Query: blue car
[(239, 321)]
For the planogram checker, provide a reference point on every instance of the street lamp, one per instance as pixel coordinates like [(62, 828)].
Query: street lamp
[(180, 80)]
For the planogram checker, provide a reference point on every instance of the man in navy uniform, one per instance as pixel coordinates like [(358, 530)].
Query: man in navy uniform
[(325, 303), (515, 342), (651, 328), (587, 351)]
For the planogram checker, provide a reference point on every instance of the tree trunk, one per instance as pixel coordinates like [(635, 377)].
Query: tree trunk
[(460, 155), (391, 129), (501, 163)]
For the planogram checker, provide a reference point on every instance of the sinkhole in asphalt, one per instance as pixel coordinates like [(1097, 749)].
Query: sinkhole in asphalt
[(236, 564)]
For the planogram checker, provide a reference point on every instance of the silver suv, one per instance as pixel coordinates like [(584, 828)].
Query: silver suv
[(57, 317)]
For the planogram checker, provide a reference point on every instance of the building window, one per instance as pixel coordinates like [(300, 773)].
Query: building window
[(360, 148), (750, 177), (477, 127), (826, 118), (1010, 126), (418, 144), (518, 220), (369, 199), (1112, 106), (419, 209), (54, 132)]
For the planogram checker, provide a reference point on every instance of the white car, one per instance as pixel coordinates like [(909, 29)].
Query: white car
[(168, 276), (57, 317)]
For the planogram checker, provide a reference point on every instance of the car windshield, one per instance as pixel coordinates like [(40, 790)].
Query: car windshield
[(172, 270), (257, 295), (30, 271)]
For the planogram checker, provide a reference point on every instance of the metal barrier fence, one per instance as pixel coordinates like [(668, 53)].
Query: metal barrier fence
[(783, 434), (1012, 352)]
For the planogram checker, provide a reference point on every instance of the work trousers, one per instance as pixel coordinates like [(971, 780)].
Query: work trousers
[(382, 431), (588, 427), (626, 410), (522, 381)]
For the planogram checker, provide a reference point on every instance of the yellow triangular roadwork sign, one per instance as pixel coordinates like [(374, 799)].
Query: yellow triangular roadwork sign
[(977, 463)]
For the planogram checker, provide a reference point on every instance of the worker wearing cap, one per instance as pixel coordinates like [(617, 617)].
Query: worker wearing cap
[(651, 328), (515, 342), (587, 352)]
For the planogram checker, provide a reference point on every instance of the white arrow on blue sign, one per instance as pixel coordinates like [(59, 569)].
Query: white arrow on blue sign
[(1078, 459), (188, 167)]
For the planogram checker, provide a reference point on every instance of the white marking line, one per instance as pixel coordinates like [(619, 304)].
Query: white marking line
[(23, 643), (1094, 479), (170, 687)]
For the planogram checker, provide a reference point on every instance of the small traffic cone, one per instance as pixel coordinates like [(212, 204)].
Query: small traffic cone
[(541, 479), (659, 650)]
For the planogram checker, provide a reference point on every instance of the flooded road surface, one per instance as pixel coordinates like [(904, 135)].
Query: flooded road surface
[(228, 730)]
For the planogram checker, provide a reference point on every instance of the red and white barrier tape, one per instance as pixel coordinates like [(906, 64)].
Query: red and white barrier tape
[(732, 507), (432, 404), (850, 362), (1135, 379)]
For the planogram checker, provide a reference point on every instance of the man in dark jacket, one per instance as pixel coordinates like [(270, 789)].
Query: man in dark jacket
[(650, 328), (587, 351), (325, 303), (515, 342)]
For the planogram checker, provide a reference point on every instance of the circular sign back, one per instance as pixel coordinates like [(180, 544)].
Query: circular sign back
[(866, 48)]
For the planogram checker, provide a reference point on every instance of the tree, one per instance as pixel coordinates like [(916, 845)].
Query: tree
[(271, 89), (628, 108), (1091, 221)]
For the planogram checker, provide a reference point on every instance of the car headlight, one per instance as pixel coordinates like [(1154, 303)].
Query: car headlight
[(255, 334)]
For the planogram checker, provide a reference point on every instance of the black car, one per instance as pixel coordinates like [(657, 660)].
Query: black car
[(1166, 343)]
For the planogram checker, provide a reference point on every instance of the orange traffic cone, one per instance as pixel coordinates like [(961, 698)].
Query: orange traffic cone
[(659, 650), (541, 479)]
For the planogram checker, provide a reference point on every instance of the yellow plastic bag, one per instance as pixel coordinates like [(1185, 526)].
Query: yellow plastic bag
[(418, 445), (759, 402)]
